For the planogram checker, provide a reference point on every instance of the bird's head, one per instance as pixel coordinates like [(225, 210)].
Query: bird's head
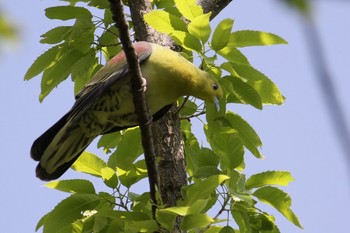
[(211, 90)]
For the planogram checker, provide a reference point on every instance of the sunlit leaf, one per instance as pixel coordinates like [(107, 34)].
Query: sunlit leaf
[(221, 34), (89, 163), (129, 149), (279, 200), (203, 188), (189, 8), (232, 54), (72, 186), (186, 40), (200, 27), (68, 211), (109, 177), (108, 141), (195, 221), (165, 22), (269, 178), (254, 38), (268, 91)]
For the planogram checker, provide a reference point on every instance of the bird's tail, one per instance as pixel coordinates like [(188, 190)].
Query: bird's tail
[(57, 149)]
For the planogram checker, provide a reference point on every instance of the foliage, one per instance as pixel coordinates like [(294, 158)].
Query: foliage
[(216, 177), (8, 32)]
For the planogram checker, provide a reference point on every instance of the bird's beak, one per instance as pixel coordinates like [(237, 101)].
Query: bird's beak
[(217, 103)]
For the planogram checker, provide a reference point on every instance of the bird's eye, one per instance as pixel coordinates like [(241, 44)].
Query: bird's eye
[(215, 86)]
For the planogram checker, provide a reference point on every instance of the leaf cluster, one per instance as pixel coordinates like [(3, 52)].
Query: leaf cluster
[(215, 173), (74, 48)]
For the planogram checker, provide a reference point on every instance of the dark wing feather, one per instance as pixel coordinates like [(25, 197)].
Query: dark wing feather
[(41, 143)]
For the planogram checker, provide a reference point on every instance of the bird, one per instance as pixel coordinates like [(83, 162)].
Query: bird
[(105, 104)]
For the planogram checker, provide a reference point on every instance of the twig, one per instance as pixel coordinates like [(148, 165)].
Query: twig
[(140, 104), (223, 208), (192, 116)]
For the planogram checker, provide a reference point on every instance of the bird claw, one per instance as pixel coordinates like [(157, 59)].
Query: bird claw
[(143, 84)]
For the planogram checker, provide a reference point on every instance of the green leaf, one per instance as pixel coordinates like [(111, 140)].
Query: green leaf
[(55, 35), (221, 34), (166, 219), (236, 185), (42, 221), (58, 71), (279, 200), (232, 54), (189, 9), (109, 177), (186, 40), (72, 186), (123, 221), (239, 211), (213, 229), (254, 38), (197, 206), (247, 134), (165, 22), (70, 210), (67, 12), (73, 2), (244, 92), (100, 4), (136, 172), (129, 149), (268, 91), (227, 229), (206, 171), (89, 163), (42, 62), (207, 157), (142, 226), (195, 221), (269, 178), (107, 18), (200, 27), (83, 69), (225, 142), (81, 36), (189, 108), (108, 141), (109, 42), (301, 5), (7, 30), (178, 210), (203, 188)]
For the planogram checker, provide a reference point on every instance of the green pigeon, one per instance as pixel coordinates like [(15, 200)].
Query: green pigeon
[(105, 104)]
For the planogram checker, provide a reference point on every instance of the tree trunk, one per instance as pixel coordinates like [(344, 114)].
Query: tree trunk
[(166, 131)]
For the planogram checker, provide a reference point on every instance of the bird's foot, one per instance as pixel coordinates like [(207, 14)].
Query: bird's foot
[(143, 84)]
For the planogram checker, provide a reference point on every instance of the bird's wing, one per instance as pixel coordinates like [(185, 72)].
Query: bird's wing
[(103, 80), (113, 71)]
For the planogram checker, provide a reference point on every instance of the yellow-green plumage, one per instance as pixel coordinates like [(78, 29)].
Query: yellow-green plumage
[(105, 104)]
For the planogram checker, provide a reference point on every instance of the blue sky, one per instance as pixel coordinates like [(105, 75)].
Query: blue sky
[(297, 136)]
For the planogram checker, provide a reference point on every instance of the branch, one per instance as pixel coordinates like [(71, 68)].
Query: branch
[(214, 6), (140, 104), (327, 85)]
